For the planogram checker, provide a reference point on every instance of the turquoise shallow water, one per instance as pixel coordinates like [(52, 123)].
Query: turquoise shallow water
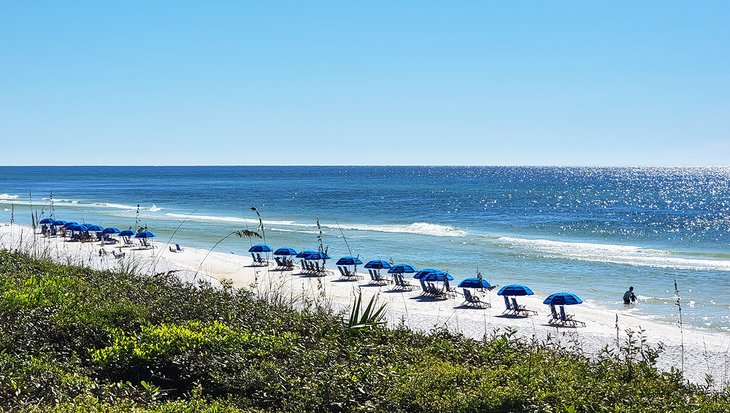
[(592, 231)]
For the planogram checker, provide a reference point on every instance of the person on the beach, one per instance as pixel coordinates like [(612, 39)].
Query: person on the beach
[(629, 297)]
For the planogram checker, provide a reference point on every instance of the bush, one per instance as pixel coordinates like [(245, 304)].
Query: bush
[(77, 340)]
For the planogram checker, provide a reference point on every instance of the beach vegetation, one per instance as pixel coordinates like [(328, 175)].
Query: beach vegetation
[(74, 339)]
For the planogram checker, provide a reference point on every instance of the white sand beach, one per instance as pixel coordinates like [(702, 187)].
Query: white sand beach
[(705, 351)]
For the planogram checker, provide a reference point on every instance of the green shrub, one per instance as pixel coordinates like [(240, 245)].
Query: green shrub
[(77, 340)]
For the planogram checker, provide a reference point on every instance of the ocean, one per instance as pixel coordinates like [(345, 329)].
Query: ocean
[(590, 231)]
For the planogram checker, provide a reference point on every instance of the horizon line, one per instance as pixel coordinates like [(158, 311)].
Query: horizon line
[(359, 165)]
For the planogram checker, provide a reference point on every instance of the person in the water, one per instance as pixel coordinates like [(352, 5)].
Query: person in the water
[(629, 297)]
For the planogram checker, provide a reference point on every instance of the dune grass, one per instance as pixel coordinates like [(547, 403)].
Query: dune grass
[(77, 340)]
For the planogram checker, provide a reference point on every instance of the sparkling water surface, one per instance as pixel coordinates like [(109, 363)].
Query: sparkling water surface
[(591, 231)]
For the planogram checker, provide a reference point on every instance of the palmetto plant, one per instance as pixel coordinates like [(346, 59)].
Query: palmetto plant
[(370, 317)]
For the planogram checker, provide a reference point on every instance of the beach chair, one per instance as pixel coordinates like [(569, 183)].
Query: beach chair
[(319, 270), (258, 260), (473, 301), (435, 292), (377, 278), (568, 318), (448, 290), (507, 304), (175, 248), (424, 288), (289, 264), (352, 275), (401, 283), (553, 315), (521, 309)]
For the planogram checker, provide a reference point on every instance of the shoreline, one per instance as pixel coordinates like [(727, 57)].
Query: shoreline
[(705, 352)]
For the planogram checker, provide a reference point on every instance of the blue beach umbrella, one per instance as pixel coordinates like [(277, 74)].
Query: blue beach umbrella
[(77, 227), (403, 269), (94, 227), (349, 261), (305, 253), (377, 264), (145, 234), (515, 289), (424, 272), (127, 233), (437, 276), (69, 224), (260, 248), (562, 299), (285, 251), (46, 221), (59, 222), (111, 230), (474, 283)]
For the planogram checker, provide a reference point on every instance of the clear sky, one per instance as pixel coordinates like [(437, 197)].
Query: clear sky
[(368, 82)]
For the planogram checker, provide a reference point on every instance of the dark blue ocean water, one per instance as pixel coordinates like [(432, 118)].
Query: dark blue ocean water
[(592, 231)]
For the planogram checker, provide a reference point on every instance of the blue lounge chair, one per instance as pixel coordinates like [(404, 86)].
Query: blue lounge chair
[(567, 319), (521, 309), (473, 301), (507, 304), (553, 315), (401, 283)]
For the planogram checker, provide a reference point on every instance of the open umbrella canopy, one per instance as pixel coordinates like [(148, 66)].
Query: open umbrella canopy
[(403, 269), (378, 264), (474, 283), (145, 234), (260, 248), (562, 299), (315, 256), (46, 221), (285, 251), (127, 233), (305, 253), (349, 261), (68, 224), (111, 230), (94, 227), (437, 276), (59, 222), (76, 227), (515, 289), (424, 272)]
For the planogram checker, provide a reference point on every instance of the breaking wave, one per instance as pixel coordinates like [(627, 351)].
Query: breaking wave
[(614, 254), (419, 228)]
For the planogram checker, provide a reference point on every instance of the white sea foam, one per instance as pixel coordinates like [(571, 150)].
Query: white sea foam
[(614, 254), (56, 201), (70, 203), (294, 231), (233, 220), (420, 228), (155, 208), (8, 196), (111, 205)]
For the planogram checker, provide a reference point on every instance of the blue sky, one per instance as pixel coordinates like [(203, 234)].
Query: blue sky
[(376, 82)]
